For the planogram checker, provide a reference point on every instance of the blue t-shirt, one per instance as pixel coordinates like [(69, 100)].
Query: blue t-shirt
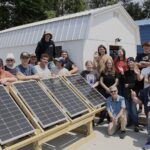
[(30, 70), (114, 106)]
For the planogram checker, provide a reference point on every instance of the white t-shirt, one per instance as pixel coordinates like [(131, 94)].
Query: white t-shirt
[(145, 73), (43, 72), (61, 72)]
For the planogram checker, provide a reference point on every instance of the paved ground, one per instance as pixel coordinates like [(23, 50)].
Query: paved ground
[(101, 141)]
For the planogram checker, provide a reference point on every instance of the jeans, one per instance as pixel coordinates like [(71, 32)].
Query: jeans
[(148, 128), (132, 111)]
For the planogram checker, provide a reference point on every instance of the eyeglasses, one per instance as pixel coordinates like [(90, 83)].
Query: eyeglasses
[(113, 91), (9, 60)]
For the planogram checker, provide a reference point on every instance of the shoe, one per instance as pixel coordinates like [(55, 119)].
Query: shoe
[(122, 134), (136, 129), (99, 122), (146, 146)]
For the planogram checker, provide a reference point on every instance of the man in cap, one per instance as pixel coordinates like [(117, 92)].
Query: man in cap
[(25, 70), (10, 64), (45, 45), (6, 77)]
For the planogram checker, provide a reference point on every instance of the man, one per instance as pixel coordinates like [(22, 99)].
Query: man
[(144, 98), (116, 111), (68, 64), (26, 71), (42, 68), (6, 77)]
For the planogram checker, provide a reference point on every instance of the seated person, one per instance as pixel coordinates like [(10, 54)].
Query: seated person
[(6, 77), (42, 68), (116, 111), (26, 71), (10, 64), (90, 74), (60, 69), (68, 64)]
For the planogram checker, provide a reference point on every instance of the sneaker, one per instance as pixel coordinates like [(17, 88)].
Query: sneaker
[(146, 146), (136, 129), (122, 134), (99, 122)]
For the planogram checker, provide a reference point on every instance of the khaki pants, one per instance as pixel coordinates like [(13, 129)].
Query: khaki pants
[(122, 122)]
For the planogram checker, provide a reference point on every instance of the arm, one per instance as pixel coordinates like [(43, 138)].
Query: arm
[(121, 112), (135, 98), (95, 84), (103, 85), (74, 69), (116, 82)]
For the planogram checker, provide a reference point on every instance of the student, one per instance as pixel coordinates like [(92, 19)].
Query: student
[(26, 71), (33, 59), (144, 98), (10, 64), (90, 74), (116, 111), (42, 68), (60, 69), (6, 77), (68, 64), (45, 45)]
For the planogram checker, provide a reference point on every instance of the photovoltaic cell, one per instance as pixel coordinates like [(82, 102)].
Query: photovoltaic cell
[(43, 108), (13, 123), (66, 97), (95, 98)]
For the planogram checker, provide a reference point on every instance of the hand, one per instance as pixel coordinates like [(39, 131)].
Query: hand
[(3, 81), (133, 94), (114, 120), (137, 70), (126, 85), (107, 91), (36, 77), (120, 69)]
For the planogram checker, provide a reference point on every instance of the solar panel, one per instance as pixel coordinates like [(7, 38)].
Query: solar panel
[(13, 123), (43, 108), (95, 98), (66, 97)]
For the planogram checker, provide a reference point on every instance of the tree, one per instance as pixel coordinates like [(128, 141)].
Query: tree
[(146, 9)]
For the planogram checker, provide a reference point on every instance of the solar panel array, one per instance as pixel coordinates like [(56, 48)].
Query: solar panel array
[(66, 97), (13, 123), (95, 98), (43, 108)]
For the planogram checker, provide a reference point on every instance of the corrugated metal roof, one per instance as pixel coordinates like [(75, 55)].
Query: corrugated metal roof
[(143, 22)]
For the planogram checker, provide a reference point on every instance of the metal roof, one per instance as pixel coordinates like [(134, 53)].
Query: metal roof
[(143, 22)]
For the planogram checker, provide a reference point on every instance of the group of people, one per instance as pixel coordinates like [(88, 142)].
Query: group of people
[(124, 82)]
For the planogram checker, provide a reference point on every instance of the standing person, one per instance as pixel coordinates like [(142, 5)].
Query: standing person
[(46, 45), (26, 71), (130, 78), (6, 77), (10, 64), (121, 66), (116, 111), (68, 64), (144, 98), (90, 74), (108, 78), (99, 63)]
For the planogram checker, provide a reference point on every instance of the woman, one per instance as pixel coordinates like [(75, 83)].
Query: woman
[(108, 79), (121, 66), (99, 63), (46, 45)]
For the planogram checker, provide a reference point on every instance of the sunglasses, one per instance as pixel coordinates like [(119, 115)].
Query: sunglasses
[(9, 60), (113, 91)]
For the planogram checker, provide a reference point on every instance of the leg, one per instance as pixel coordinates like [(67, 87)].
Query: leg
[(123, 122), (112, 128)]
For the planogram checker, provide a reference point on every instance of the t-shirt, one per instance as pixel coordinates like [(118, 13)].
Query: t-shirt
[(5, 74), (120, 63), (145, 72), (114, 106), (90, 76), (68, 64), (11, 70), (142, 57), (30, 70), (62, 71), (43, 72)]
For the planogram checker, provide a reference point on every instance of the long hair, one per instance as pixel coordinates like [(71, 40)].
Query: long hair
[(124, 55), (105, 70), (101, 46)]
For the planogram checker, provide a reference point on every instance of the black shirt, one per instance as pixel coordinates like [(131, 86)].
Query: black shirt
[(12, 71), (142, 57), (68, 64)]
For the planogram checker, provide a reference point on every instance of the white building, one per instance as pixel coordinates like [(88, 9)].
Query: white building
[(80, 34)]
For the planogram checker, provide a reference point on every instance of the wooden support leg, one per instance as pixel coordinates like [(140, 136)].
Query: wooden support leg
[(89, 128), (37, 146)]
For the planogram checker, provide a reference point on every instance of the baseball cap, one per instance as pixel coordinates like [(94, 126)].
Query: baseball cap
[(60, 59), (10, 56), (24, 55)]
